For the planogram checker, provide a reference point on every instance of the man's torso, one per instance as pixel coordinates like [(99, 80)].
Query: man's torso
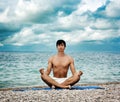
[(60, 65)]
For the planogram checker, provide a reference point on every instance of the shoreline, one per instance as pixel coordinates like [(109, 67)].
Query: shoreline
[(29, 87), (110, 93)]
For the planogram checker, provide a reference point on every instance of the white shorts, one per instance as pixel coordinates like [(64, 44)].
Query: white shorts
[(59, 80)]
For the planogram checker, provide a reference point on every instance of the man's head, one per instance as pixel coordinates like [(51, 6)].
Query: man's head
[(60, 42)]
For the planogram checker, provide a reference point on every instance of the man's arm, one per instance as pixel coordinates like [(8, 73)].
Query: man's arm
[(72, 67), (49, 66)]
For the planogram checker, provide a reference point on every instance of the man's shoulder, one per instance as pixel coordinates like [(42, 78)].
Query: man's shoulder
[(52, 57), (69, 57)]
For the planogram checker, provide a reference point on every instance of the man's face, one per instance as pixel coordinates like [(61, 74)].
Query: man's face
[(61, 47)]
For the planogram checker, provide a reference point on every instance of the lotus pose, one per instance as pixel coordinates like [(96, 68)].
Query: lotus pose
[(60, 64)]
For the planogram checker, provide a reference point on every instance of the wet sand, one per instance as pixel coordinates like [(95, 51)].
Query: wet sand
[(110, 93)]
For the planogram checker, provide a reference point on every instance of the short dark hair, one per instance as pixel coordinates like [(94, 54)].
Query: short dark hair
[(61, 42)]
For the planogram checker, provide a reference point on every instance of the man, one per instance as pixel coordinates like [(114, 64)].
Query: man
[(60, 64)]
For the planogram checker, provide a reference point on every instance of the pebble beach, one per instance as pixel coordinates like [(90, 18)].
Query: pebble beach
[(110, 93)]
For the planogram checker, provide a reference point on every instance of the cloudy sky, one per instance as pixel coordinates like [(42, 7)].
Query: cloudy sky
[(35, 25)]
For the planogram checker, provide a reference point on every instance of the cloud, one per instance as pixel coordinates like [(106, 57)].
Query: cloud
[(29, 35), (37, 11), (89, 5), (22, 13), (113, 9), (1, 44), (34, 22)]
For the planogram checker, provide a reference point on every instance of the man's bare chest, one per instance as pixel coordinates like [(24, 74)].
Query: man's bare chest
[(61, 62)]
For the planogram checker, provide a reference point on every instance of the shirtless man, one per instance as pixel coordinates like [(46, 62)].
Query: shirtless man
[(60, 64)]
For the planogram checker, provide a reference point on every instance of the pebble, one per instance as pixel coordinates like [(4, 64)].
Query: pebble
[(111, 93)]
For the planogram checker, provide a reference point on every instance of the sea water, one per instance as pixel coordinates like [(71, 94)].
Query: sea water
[(18, 69)]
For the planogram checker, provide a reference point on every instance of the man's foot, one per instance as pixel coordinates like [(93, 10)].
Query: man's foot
[(41, 71), (62, 87), (68, 87), (53, 87)]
